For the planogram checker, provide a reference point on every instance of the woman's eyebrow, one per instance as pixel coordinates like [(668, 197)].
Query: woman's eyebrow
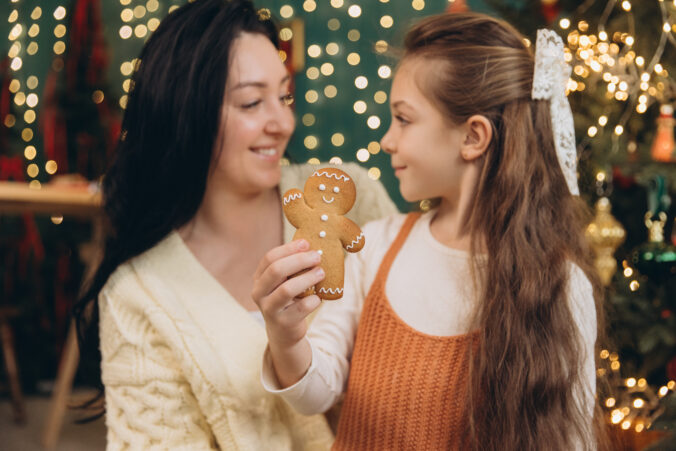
[(258, 84)]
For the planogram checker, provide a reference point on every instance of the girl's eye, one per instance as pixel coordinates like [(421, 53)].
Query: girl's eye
[(287, 99), (250, 105), (401, 120), (336, 189), (322, 187)]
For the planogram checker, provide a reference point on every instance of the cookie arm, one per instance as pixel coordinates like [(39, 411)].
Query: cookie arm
[(294, 206), (352, 237)]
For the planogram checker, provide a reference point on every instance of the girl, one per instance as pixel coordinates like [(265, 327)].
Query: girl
[(472, 325), (193, 199)]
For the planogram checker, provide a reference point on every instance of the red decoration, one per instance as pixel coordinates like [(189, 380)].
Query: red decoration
[(622, 181), (54, 126), (671, 369), (5, 101), (11, 168), (664, 148), (458, 6), (550, 10), (85, 66)]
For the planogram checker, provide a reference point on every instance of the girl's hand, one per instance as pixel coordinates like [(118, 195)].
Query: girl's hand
[(276, 291)]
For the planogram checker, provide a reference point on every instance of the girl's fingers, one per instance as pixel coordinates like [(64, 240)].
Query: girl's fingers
[(280, 252), (279, 271), (301, 308), (292, 288)]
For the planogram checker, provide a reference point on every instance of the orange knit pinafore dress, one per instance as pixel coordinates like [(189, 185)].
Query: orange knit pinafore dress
[(407, 390)]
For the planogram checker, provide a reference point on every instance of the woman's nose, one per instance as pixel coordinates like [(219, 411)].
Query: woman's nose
[(281, 121)]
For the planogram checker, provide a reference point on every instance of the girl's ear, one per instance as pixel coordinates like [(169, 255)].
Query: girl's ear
[(478, 135)]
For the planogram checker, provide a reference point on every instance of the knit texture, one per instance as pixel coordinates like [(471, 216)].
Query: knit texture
[(406, 389), (181, 358)]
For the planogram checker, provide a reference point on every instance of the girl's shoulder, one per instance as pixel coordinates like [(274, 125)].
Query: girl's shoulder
[(382, 232)]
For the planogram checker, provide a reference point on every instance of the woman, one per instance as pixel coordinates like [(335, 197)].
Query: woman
[(193, 199)]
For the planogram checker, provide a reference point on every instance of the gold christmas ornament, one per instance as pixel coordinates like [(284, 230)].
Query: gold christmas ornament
[(605, 234)]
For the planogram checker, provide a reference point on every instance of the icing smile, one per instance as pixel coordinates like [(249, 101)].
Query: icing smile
[(328, 201)]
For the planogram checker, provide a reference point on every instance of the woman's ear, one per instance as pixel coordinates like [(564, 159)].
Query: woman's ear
[(478, 135)]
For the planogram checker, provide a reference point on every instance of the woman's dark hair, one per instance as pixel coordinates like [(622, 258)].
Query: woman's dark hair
[(169, 133), (528, 364)]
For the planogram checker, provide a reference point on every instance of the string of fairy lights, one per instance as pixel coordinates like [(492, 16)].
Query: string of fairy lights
[(23, 37), (321, 88), (138, 21), (633, 403), (637, 81)]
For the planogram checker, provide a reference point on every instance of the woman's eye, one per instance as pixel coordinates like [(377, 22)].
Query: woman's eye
[(287, 99), (322, 187), (250, 105)]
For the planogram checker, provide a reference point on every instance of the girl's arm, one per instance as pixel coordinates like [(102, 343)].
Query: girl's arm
[(331, 337), (320, 363), (276, 293)]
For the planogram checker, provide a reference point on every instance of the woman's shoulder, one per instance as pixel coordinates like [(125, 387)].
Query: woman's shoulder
[(128, 278)]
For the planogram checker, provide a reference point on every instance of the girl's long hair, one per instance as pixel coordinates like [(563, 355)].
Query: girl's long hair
[(169, 133), (528, 366)]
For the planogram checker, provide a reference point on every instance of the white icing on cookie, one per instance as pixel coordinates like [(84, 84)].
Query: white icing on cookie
[(355, 241), (292, 197), (326, 174)]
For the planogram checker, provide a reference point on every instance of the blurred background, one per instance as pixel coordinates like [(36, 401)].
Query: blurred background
[(65, 68)]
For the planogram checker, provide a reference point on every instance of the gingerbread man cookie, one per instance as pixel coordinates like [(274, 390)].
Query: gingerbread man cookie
[(317, 213)]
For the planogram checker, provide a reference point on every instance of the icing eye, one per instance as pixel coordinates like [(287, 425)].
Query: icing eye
[(322, 187), (336, 190)]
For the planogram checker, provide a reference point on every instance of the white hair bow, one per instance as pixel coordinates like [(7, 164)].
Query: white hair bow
[(549, 83)]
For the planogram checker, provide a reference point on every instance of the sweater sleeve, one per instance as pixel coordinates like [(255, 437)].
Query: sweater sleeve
[(149, 403)]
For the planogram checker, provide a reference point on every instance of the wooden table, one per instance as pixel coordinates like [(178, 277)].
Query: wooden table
[(63, 199)]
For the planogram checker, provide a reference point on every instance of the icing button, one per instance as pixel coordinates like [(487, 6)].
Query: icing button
[(322, 234), (325, 217), (320, 252)]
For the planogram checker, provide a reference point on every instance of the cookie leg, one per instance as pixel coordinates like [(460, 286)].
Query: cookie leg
[(331, 287)]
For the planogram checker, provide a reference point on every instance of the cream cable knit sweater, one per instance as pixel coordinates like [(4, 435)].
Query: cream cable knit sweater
[(181, 358)]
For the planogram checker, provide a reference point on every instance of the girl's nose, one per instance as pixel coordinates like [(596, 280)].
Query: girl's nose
[(387, 142)]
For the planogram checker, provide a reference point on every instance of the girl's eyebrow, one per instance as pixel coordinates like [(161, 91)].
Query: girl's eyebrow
[(403, 103), (258, 84)]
